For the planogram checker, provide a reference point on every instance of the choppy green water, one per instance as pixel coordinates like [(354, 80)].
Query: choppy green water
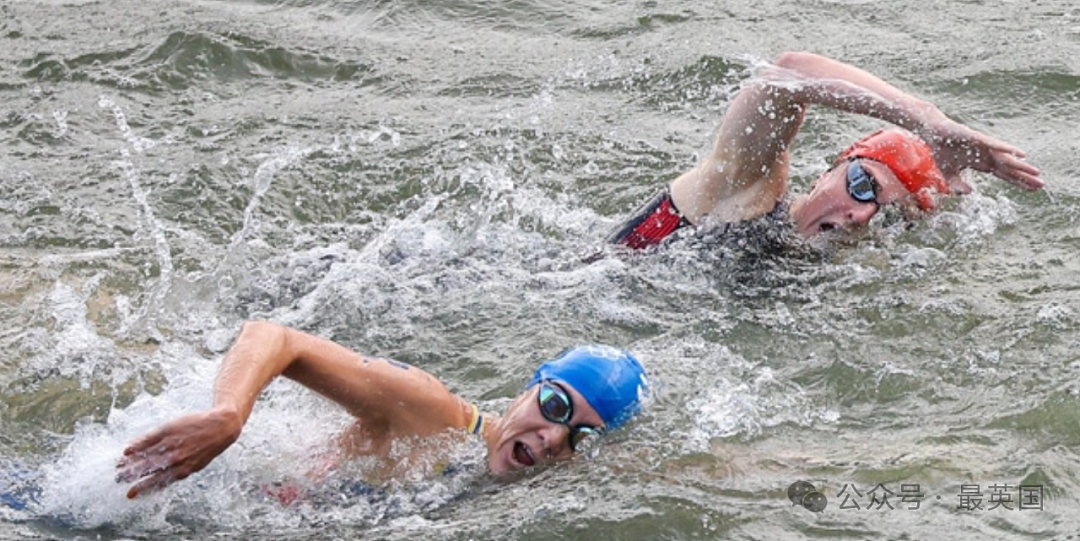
[(421, 179)]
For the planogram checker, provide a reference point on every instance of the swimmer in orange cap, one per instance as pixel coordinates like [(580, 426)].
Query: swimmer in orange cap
[(744, 180)]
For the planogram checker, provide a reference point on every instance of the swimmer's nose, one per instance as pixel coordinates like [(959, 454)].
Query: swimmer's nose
[(861, 214), (556, 439)]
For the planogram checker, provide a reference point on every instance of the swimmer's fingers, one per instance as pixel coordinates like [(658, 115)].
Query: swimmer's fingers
[(141, 457), (964, 148), (150, 440), (176, 450), (1017, 172), (155, 482), (1006, 166), (995, 145), (141, 462)]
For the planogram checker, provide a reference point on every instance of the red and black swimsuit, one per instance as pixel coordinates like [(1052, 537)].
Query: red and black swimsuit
[(651, 224), (659, 220)]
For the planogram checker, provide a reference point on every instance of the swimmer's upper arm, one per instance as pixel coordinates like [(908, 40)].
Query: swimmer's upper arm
[(747, 167), (373, 389)]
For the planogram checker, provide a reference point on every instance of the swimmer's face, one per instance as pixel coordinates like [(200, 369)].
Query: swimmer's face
[(831, 206), (524, 438)]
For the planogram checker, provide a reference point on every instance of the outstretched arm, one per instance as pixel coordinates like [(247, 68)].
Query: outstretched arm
[(956, 147), (391, 399), (747, 169)]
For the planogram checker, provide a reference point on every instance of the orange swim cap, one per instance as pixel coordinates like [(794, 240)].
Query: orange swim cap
[(908, 157)]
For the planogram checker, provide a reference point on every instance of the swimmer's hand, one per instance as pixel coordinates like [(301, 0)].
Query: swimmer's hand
[(177, 449), (958, 147)]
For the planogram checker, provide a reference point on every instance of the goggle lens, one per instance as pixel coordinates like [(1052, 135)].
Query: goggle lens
[(555, 404), (556, 407), (860, 185)]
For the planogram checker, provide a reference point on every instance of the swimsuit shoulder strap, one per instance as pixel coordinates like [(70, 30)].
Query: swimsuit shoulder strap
[(476, 424)]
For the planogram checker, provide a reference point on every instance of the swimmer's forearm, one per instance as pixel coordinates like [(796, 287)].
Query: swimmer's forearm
[(370, 389), (840, 86)]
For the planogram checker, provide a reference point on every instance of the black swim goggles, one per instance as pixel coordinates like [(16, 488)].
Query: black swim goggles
[(556, 407), (861, 185)]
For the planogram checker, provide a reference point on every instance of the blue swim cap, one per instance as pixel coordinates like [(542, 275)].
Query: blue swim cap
[(611, 380)]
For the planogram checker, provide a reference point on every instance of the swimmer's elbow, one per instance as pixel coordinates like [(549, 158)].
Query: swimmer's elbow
[(269, 339), (255, 326), (789, 67), (795, 60), (793, 70)]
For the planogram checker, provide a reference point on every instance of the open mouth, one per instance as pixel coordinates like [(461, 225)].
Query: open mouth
[(522, 455)]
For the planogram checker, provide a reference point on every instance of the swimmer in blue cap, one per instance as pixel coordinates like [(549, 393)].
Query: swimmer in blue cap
[(584, 391)]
